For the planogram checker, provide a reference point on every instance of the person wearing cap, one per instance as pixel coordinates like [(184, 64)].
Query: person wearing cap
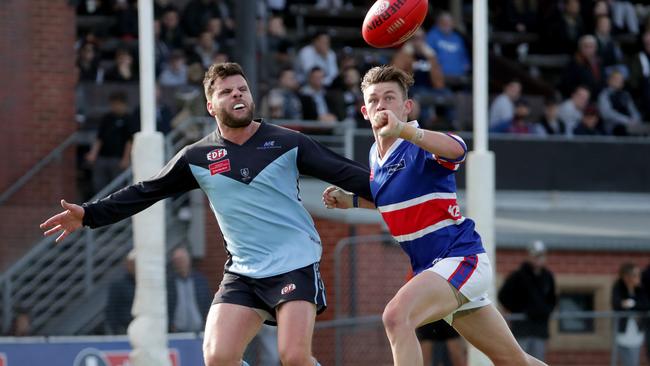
[(531, 290)]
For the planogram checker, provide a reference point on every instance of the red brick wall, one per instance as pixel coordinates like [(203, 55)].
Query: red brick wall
[(36, 112), (388, 266)]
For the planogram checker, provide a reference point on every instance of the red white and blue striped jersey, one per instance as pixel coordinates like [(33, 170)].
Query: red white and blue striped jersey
[(415, 192)]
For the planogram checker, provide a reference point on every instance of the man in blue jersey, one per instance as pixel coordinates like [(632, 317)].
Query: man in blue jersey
[(249, 171), (413, 186)]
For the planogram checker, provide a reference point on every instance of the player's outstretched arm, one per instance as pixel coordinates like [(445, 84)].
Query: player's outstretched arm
[(335, 197), (65, 222)]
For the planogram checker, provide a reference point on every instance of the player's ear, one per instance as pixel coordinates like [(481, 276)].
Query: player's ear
[(408, 106), (208, 105), (364, 112)]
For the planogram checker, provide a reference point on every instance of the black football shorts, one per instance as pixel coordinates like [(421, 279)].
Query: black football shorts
[(265, 294)]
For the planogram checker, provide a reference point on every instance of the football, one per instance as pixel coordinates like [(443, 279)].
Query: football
[(390, 23)]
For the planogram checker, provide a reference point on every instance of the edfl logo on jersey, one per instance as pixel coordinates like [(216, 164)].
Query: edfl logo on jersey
[(217, 154)]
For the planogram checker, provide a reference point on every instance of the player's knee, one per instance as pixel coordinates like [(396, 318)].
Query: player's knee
[(295, 356), (213, 356), (394, 318)]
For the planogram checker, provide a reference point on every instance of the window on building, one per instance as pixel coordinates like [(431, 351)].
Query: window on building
[(576, 301)]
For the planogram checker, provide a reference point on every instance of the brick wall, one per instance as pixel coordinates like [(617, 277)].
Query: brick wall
[(387, 265), (36, 112)]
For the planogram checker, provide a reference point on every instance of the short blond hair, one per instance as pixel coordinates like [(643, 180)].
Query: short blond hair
[(220, 71), (383, 74)]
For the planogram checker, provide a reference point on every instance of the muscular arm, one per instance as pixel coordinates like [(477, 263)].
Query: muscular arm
[(441, 145), (438, 143), (174, 178)]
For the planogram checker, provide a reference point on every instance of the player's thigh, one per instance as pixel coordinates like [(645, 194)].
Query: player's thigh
[(425, 298), (296, 326), (228, 330), (486, 330)]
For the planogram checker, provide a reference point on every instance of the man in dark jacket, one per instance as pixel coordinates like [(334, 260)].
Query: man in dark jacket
[(531, 290), (190, 296)]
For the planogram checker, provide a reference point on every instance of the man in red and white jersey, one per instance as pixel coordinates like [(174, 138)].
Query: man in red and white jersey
[(413, 185)]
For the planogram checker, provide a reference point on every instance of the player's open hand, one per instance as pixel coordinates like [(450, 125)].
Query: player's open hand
[(335, 197), (65, 222), (387, 124)]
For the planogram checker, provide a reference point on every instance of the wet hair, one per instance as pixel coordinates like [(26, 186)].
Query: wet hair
[(383, 74), (220, 71)]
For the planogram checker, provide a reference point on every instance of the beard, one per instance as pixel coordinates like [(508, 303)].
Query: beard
[(231, 121)]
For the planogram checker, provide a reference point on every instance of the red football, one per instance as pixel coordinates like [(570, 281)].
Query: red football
[(389, 23)]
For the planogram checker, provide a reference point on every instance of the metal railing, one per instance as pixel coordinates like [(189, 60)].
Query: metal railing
[(364, 274), (359, 324), (42, 163), (50, 278)]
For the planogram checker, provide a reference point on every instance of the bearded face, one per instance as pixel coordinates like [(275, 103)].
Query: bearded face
[(231, 102), (239, 115)]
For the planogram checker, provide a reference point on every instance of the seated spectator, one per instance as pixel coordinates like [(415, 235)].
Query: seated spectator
[(317, 54), (124, 70), (347, 100), (163, 115), (315, 90), (88, 63), (589, 124), (160, 6), (161, 50), (563, 31), (196, 15), (519, 16), (190, 296), (449, 46), (503, 106), (126, 19), (571, 110), (624, 16), (278, 46), (94, 7), (550, 122), (609, 52), (585, 68), (284, 101), (519, 123), (429, 82), (120, 298), (174, 73), (170, 31), (191, 101), (216, 28), (599, 9), (616, 106), (204, 50), (110, 153), (21, 326), (639, 79)]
